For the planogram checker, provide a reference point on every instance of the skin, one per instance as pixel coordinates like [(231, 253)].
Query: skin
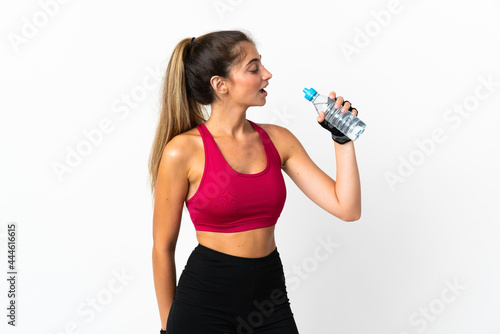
[(182, 165)]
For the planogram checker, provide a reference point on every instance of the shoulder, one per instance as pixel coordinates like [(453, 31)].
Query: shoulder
[(280, 133), (283, 139), (180, 149), (276, 132)]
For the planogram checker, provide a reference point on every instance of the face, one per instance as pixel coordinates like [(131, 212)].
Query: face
[(248, 79)]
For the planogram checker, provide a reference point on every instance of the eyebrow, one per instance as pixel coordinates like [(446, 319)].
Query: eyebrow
[(253, 60)]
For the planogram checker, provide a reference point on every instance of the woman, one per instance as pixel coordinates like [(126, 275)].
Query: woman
[(228, 171)]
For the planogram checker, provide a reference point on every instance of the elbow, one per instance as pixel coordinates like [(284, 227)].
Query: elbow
[(351, 216), (164, 249), (352, 219)]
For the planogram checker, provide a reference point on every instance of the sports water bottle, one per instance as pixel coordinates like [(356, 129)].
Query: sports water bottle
[(347, 123)]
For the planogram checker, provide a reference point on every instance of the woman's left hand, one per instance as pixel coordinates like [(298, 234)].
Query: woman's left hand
[(338, 103)]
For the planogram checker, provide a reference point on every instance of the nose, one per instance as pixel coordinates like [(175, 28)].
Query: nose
[(267, 75)]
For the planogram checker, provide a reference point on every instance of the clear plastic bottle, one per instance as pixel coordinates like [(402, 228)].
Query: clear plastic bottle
[(347, 123)]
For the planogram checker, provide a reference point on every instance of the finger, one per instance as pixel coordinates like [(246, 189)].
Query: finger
[(346, 106), (354, 111), (321, 116), (332, 95), (339, 102)]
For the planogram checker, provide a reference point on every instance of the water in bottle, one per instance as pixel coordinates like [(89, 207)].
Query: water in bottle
[(347, 123)]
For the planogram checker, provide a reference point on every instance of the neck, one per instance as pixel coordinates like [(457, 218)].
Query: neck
[(227, 120)]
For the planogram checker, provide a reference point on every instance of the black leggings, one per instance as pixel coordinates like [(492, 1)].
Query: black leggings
[(220, 293)]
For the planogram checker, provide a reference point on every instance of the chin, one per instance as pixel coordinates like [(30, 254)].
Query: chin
[(257, 104), (262, 101), (259, 101)]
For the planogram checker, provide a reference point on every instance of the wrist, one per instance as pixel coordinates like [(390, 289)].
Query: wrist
[(341, 140), (337, 136)]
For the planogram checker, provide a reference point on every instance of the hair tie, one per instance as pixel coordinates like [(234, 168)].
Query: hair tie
[(192, 40)]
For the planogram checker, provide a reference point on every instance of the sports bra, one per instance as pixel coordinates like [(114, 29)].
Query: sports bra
[(229, 201)]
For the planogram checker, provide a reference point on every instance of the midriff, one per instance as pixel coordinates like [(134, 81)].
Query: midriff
[(251, 244)]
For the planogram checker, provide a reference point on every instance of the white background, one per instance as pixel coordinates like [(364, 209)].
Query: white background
[(435, 223)]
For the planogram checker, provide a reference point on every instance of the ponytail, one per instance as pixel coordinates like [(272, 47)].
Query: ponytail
[(179, 113)]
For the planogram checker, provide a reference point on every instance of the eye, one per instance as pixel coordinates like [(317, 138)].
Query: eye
[(255, 70)]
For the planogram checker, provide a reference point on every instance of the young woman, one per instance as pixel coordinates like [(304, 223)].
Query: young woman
[(227, 170)]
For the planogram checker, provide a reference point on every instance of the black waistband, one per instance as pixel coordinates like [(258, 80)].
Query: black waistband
[(213, 254)]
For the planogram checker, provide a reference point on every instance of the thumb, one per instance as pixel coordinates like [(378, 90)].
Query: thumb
[(321, 116)]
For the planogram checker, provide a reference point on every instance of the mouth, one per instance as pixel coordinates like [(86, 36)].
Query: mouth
[(263, 91)]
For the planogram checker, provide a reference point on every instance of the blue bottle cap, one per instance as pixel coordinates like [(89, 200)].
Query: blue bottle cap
[(309, 93)]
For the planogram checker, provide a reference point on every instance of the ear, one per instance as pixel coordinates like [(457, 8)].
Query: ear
[(219, 85)]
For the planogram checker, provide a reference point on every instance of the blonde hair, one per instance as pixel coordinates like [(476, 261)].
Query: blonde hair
[(187, 88)]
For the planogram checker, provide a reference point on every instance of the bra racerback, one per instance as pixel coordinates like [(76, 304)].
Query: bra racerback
[(229, 201)]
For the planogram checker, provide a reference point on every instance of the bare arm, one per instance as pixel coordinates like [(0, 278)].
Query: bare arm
[(341, 198), (171, 188), (348, 185)]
